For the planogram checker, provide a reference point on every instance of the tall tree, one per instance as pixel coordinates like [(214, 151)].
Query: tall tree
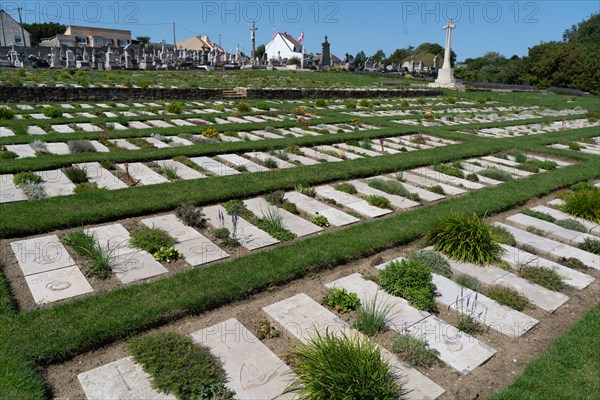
[(144, 40), (378, 56), (260, 51), (39, 31)]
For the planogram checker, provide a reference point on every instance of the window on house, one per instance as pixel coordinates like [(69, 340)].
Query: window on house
[(81, 40), (18, 40), (123, 42)]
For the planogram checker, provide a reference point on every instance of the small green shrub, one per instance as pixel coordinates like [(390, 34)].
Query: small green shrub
[(573, 263), (76, 175), (571, 224), (590, 245), (87, 187), (81, 146), (528, 167), (496, 174), (449, 170), (472, 177), (266, 330), (290, 207), (52, 112), (151, 239), (536, 231), (166, 254), (179, 366), (343, 366), (7, 114), (503, 235), (583, 204), (545, 277), (28, 177), (276, 198), (221, 233), (341, 300), (466, 238), (98, 259), (520, 158), (379, 201), (273, 223), (306, 190), (320, 220), (415, 351), (371, 316), (346, 188), (582, 186), (190, 215), (467, 281), (350, 104), (539, 215), (434, 261), (436, 189), (543, 164), (508, 297), (243, 107), (412, 281), (270, 163), (174, 108)]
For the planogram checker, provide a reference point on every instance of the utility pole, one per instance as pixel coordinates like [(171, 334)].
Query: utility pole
[(219, 40), (21, 24), (174, 37), (2, 23)]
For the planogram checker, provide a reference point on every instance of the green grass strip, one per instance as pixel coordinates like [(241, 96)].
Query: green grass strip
[(568, 369)]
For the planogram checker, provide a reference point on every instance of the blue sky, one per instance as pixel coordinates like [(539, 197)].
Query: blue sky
[(509, 27)]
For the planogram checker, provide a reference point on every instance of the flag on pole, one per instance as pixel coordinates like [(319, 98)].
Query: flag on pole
[(273, 34), (301, 38)]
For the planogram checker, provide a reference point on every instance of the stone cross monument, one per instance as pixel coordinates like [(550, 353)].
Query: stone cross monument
[(446, 73), (253, 38)]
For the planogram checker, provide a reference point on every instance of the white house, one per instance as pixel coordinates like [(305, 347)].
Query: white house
[(11, 32), (283, 46)]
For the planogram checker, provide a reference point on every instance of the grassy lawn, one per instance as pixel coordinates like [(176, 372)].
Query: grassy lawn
[(568, 369)]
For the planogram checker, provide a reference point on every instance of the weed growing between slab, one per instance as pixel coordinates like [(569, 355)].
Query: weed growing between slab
[(412, 281), (341, 300), (98, 258), (415, 351), (434, 261), (508, 297), (545, 277)]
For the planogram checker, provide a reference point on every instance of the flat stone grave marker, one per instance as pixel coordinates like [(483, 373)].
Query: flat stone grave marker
[(156, 143), (314, 207), (397, 201), (56, 183), (181, 122), (243, 162), (249, 136), (143, 174), (113, 239), (158, 123), (121, 379), (214, 166), (60, 284), (302, 160), (517, 257), (41, 254), (267, 135), (301, 316), (554, 231), (341, 152), (350, 201), (453, 180), (183, 171), (592, 227), (177, 141), (195, 247), (247, 234), (295, 224), (226, 138), (318, 155), (101, 176), (253, 370), (264, 157), (552, 248), (138, 125), (8, 191), (124, 144), (358, 150), (63, 128), (35, 130), (87, 127), (5, 132), (424, 181), (58, 148), (423, 194), (38, 116)]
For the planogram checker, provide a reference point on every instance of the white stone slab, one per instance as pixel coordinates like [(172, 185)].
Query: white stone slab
[(56, 183), (359, 150), (551, 247), (138, 125), (58, 148), (124, 144), (341, 153), (302, 160), (401, 315), (112, 238), (8, 191), (423, 194), (301, 316), (440, 177), (173, 226), (41, 254), (350, 201), (181, 122), (254, 371), (136, 266), (314, 207), (544, 298), (249, 136), (63, 128), (102, 177), (397, 201), (121, 379), (157, 123), (35, 130), (295, 224), (592, 227), (517, 257), (183, 171), (48, 287), (554, 231), (318, 155), (247, 234), (486, 274), (156, 143), (89, 127), (264, 157), (5, 132), (267, 135), (39, 116), (214, 166), (238, 161), (144, 174), (427, 182)]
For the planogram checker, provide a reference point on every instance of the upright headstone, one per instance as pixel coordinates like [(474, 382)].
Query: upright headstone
[(436, 63), (326, 55), (109, 61), (70, 58), (253, 39)]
